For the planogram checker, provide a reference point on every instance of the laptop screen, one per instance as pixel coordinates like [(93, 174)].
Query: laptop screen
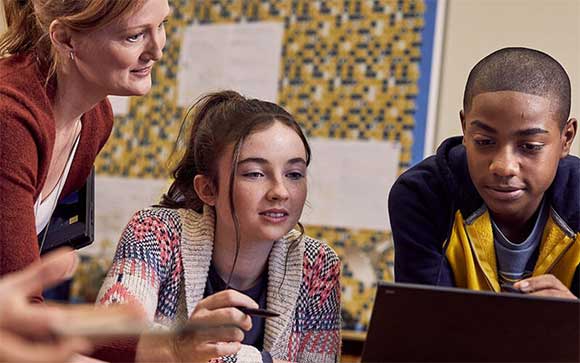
[(426, 323)]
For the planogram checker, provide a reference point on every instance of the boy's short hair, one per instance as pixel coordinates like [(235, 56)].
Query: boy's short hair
[(521, 70)]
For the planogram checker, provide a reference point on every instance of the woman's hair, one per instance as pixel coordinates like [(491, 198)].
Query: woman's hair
[(218, 120), (28, 22)]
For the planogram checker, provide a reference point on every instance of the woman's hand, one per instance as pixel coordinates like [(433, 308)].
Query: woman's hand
[(26, 329), (220, 331)]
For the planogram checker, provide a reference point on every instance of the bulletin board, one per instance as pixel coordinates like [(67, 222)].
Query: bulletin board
[(361, 78)]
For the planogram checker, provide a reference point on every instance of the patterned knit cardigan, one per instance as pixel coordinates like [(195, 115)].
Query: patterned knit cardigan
[(162, 263)]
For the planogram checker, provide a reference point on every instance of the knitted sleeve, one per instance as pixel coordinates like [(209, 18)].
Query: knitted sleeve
[(27, 137), (247, 354), (316, 333), (20, 142), (147, 266)]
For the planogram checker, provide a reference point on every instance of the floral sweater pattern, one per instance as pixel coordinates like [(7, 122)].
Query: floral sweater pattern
[(162, 263)]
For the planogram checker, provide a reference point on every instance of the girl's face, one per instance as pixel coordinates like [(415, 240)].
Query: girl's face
[(270, 185), (117, 59)]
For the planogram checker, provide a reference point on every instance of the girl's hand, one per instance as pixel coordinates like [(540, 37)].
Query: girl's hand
[(220, 333), (222, 327)]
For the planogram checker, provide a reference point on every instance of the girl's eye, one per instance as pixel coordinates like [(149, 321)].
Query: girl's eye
[(253, 174), (295, 175), (135, 38)]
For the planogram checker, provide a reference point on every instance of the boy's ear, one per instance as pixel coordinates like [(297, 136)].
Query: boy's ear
[(568, 134), (61, 39), (462, 118), (205, 189)]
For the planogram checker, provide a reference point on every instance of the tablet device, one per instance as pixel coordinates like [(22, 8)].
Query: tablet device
[(423, 323), (72, 222)]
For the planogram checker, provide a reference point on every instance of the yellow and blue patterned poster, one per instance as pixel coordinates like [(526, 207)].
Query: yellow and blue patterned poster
[(357, 75)]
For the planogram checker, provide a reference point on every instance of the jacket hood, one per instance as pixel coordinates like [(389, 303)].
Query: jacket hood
[(565, 192), (452, 163)]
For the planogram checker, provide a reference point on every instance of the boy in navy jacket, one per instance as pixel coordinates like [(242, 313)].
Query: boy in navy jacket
[(499, 207)]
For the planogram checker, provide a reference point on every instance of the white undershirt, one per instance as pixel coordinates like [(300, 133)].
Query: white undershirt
[(43, 209)]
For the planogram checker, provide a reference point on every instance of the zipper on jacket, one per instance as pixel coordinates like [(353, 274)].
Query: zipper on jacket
[(489, 284), (559, 257), (548, 270)]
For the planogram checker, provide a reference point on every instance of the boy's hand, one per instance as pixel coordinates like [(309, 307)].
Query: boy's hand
[(544, 285)]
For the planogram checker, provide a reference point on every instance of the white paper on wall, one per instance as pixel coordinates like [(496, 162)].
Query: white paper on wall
[(116, 200), (120, 105), (244, 57), (349, 182)]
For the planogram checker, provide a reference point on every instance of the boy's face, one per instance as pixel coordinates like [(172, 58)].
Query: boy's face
[(513, 143)]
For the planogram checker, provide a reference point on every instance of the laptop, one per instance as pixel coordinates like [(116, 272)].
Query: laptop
[(422, 323), (72, 222)]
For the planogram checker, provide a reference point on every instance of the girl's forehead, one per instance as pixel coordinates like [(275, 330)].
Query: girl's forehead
[(278, 138), (277, 141)]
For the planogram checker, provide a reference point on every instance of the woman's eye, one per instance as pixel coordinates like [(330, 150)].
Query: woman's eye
[(135, 38)]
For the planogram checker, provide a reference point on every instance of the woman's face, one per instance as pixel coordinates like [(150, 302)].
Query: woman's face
[(270, 185), (117, 59)]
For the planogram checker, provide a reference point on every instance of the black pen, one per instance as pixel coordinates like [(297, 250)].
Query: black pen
[(258, 312), (189, 327)]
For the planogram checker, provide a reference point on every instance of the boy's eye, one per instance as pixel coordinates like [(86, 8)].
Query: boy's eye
[(483, 142), (135, 38), (532, 147)]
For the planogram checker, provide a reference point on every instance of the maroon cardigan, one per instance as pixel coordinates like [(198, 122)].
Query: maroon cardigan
[(27, 136)]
